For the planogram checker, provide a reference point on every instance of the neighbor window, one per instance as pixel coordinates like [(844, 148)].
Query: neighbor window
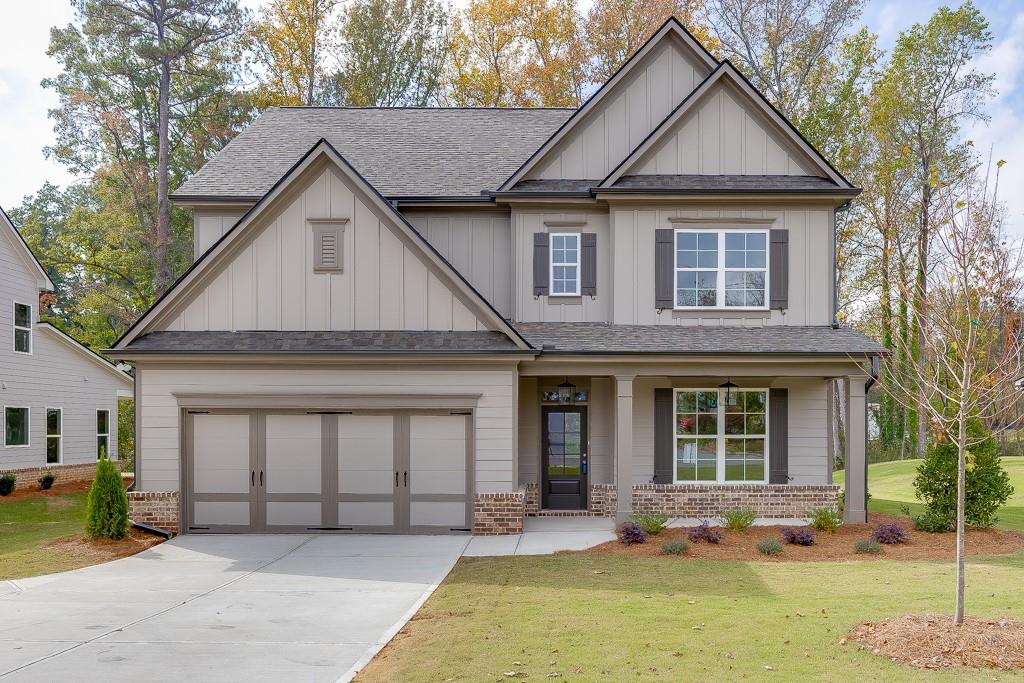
[(721, 269), (719, 440), (565, 264), (15, 426), (54, 435), (22, 328), (102, 433)]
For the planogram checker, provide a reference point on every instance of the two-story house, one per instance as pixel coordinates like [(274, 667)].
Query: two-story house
[(444, 319)]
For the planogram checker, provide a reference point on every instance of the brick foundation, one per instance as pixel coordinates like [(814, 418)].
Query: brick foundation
[(156, 508), (709, 501), (497, 514), (603, 499), (29, 476)]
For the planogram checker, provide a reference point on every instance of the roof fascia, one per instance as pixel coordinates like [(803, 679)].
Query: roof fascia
[(26, 253)]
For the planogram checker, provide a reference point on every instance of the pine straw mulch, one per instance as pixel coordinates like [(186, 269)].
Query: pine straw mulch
[(830, 547), (95, 551), (931, 641)]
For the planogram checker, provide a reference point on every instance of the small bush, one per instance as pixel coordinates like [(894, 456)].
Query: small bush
[(769, 546), (890, 534), (931, 522), (7, 483), (798, 535), (825, 519), (107, 505), (738, 520), (705, 533), (679, 547), (630, 533), (652, 524), (46, 481), (867, 546)]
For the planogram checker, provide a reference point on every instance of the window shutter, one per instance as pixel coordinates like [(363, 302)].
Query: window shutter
[(541, 264), (778, 437), (588, 264), (664, 433), (664, 273), (779, 267)]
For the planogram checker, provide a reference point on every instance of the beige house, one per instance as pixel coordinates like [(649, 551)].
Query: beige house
[(446, 319)]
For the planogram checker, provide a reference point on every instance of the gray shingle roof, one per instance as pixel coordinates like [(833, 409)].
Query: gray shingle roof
[(676, 339), (554, 185), (401, 152), (322, 342), (728, 183)]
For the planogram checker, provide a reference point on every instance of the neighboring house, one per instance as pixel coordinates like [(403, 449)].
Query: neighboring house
[(442, 319), (59, 399)]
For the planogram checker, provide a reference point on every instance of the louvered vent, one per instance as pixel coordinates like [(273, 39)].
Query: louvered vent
[(327, 244), (328, 250)]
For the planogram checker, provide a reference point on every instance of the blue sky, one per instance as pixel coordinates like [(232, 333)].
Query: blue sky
[(25, 128)]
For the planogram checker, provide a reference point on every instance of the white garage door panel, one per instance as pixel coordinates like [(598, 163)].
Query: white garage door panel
[(437, 514), (210, 513), (293, 514), (294, 454), (366, 453), (437, 454), (220, 453), (368, 513), (438, 481)]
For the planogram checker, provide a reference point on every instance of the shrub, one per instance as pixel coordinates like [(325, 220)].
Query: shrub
[(988, 485), (705, 533), (769, 546), (867, 546), (652, 524), (798, 535), (7, 483), (738, 520), (890, 534), (46, 481), (825, 519), (630, 533), (679, 547), (930, 521), (107, 505)]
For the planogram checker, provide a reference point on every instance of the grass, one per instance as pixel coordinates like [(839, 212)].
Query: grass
[(892, 486), (669, 619), (28, 525)]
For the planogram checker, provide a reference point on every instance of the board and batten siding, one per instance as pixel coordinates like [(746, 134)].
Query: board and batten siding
[(810, 259), (628, 113), (493, 415), (270, 284)]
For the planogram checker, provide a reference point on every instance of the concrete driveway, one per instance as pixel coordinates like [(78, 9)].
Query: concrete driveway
[(220, 608)]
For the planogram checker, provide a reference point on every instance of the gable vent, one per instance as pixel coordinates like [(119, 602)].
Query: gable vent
[(327, 244)]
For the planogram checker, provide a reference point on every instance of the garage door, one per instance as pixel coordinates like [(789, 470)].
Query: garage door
[(301, 471)]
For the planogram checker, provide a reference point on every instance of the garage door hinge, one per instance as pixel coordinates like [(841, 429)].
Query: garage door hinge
[(199, 528), (328, 412), (198, 412), (460, 529), (461, 412)]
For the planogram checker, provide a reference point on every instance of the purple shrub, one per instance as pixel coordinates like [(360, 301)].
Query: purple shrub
[(798, 535), (890, 534), (630, 533), (705, 533)]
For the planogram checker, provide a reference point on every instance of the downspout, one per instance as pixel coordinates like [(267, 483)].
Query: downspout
[(876, 368)]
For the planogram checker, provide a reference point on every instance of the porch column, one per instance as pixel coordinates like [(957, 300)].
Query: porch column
[(623, 447), (856, 451)]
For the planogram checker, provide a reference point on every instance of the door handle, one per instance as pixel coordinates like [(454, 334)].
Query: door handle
[(261, 477), (254, 477), (406, 477), (396, 478)]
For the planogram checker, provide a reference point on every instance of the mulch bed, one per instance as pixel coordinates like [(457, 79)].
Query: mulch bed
[(96, 551), (58, 489), (931, 641), (838, 545)]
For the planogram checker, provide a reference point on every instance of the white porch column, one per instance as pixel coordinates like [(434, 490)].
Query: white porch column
[(623, 447), (856, 451)]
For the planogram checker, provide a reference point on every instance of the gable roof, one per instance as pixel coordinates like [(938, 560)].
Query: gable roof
[(727, 73), (672, 26), (322, 149), (21, 247), (404, 152), (80, 348)]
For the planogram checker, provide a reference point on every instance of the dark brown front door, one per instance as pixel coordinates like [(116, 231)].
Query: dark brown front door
[(564, 467)]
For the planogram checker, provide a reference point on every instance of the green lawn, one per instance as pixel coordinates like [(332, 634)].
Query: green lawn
[(892, 486), (28, 525), (673, 619)]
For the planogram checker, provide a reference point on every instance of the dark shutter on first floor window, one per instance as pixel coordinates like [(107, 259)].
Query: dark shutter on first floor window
[(588, 264), (541, 264), (664, 436), (664, 271), (779, 269), (778, 436)]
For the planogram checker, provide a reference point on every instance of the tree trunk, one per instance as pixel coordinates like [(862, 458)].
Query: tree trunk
[(163, 218), (961, 496), (920, 310)]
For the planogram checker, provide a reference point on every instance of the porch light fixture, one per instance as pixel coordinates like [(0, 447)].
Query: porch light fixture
[(566, 392), (728, 386)]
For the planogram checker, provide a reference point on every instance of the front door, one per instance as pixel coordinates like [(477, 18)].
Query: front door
[(564, 467)]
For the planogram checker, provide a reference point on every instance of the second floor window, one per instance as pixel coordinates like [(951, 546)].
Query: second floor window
[(22, 328), (565, 264), (721, 269)]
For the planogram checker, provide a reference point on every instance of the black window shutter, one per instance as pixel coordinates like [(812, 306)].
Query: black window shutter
[(588, 264), (779, 269), (778, 437), (664, 431), (541, 264), (664, 273)]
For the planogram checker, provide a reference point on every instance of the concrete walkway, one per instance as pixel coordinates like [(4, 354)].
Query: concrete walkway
[(546, 535)]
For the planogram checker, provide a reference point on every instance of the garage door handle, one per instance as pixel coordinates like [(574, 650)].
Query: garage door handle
[(405, 476), (396, 478), (261, 477), (254, 477)]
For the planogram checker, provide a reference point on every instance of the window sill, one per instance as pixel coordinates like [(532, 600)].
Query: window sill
[(717, 309), (719, 483)]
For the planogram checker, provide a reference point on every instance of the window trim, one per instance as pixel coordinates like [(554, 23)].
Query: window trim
[(16, 327), (578, 264), (721, 269), (719, 438), (28, 427), (59, 436), (99, 433)]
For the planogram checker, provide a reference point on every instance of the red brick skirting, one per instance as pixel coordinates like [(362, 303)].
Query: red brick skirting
[(156, 508), (708, 501), (496, 514), (29, 476)]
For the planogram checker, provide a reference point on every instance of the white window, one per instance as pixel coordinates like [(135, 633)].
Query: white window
[(54, 436), (15, 427), (22, 328), (565, 264), (722, 269), (718, 440), (102, 433)]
